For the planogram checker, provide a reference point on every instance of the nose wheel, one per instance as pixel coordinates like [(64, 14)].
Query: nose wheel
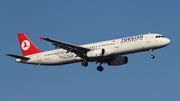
[(152, 56), (151, 52)]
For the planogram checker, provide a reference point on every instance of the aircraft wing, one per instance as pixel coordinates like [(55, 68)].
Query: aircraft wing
[(78, 50)]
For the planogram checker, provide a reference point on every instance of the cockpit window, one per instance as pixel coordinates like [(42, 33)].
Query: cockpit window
[(160, 36)]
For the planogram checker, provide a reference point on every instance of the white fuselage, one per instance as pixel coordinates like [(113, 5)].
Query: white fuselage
[(120, 46)]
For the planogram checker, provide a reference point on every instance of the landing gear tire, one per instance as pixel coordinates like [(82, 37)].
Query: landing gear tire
[(152, 56), (100, 68), (84, 63), (151, 52)]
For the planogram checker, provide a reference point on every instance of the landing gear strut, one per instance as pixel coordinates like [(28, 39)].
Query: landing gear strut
[(152, 56), (100, 68), (84, 62)]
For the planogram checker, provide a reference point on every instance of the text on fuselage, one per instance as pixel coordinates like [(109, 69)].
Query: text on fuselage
[(134, 38)]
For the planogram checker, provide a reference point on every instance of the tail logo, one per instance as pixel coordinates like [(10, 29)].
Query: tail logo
[(25, 45)]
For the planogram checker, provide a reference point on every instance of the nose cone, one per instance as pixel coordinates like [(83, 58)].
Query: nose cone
[(167, 41)]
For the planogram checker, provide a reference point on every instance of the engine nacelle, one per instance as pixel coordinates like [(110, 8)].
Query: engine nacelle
[(120, 60), (99, 52)]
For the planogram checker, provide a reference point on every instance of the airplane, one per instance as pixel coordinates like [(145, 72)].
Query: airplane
[(109, 52)]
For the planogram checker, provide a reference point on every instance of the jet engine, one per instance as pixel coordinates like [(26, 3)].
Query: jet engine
[(120, 60)]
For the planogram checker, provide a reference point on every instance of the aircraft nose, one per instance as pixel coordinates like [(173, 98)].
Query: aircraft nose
[(167, 41)]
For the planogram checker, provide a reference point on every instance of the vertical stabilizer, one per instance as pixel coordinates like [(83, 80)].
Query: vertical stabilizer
[(26, 45)]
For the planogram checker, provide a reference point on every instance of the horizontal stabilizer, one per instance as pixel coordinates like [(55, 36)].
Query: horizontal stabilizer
[(17, 56)]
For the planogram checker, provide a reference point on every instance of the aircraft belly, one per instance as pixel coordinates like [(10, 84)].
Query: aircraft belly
[(56, 60), (100, 58), (32, 60)]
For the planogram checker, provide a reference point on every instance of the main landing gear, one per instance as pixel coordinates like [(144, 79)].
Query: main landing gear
[(100, 68), (85, 64), (151, 52)]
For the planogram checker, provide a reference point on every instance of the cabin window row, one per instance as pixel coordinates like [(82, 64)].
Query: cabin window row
[(54, 53), (101, 45)]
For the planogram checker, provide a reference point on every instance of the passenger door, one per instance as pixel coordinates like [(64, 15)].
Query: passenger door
[(148, 39)]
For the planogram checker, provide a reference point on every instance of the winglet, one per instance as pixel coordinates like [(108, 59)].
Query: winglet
[(41, 38)]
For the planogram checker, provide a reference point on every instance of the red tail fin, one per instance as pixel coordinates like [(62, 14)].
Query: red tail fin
[(26, 45)]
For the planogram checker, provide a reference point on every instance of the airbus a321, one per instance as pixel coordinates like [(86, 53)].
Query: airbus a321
[(109, 52)]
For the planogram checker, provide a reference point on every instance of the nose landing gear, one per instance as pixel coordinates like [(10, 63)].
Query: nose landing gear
[(151, 52)]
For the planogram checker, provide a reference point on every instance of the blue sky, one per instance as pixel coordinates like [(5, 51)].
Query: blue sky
[(80, 22)]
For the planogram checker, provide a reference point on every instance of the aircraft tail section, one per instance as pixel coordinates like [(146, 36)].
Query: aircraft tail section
[(26, 45)]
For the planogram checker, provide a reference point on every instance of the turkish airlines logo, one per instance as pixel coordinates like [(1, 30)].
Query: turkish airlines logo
[(25, 45)]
